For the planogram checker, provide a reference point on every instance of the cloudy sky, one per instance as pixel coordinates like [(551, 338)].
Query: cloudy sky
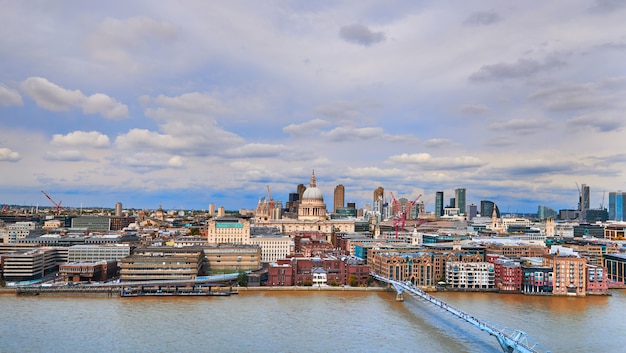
[(187, 103)]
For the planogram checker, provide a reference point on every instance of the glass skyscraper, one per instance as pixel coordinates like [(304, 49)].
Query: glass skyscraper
[(616, 206), (459, 196)]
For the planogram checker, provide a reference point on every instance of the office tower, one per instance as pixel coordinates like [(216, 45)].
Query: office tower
[(584, 197), (379, 200), (118, 209), (300, 190), (439, 203), (487, 207), (459, 195), (340, 194), (583, 201), (616, 206), (472, 212), (211, 209), (545, 212)]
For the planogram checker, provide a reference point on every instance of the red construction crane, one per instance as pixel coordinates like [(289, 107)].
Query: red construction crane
[(400, 215), (57, 205)]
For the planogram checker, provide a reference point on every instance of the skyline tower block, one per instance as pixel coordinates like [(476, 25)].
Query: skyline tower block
[(487, 207), (439, 203), (339, 197), (378, 200), (616, 206), (459, 196)]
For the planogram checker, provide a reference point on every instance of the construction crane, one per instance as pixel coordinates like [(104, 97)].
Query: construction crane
[(408, 210), (603, 196), (271, 203), (56, 205), (400, 215)]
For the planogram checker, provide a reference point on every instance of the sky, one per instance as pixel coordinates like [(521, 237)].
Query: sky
[(187, 103)]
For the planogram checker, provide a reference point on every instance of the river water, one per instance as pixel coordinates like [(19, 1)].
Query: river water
[(312, 321)]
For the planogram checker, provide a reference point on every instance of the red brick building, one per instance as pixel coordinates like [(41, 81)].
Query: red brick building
[(597, 280), (508, 275), (300, 271)]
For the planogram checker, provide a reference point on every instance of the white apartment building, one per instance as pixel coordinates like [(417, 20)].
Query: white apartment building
[(273, 247), (470, 275)]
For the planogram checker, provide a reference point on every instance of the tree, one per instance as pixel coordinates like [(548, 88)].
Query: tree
[(352, 281), (242, 279)]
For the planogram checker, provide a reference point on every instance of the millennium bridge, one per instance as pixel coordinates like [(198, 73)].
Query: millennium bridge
[(510, 340)]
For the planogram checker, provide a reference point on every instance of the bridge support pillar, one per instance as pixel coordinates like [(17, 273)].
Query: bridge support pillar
[(399, 297)]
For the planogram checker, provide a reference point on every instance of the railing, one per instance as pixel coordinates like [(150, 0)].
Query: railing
[(510, 340)]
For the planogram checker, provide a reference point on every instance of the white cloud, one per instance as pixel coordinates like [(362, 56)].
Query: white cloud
[(257, 150), (206, 103), (521, 126), (600, 122), (52, 97), (572, 96), (9, 97), (6, 155), (106, 106), (151, 161), (120, 42), (521, 69), (82, 138), (65, 156), (426, 161), (474, 109), (340, 134), (438, 142), (310, 127)]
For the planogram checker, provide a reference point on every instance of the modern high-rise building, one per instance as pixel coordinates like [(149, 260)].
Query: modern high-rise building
[(487, 207), (459, 196), (583, 201), (339, 199), (300, 190), (118, 209), (545, 212), (439, 203), (379, 200), (212, 209), (617, 212), (472, 211)]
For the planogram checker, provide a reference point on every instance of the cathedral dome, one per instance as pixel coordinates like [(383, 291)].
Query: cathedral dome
[(312, 193), (312, 207)]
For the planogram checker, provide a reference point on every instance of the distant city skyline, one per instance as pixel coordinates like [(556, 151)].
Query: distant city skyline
[(191, 103)]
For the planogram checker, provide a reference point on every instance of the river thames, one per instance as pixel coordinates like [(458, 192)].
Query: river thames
[(311, 321)]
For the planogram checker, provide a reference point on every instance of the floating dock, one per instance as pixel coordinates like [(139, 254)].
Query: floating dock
[(173, 290)]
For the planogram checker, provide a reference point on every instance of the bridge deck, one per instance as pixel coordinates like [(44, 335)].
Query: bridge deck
[(510, 340)]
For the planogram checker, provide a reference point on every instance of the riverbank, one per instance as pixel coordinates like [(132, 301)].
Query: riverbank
[(104, 291), (313, 288)]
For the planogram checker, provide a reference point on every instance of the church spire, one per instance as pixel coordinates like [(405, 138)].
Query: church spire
[(313, 179)]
